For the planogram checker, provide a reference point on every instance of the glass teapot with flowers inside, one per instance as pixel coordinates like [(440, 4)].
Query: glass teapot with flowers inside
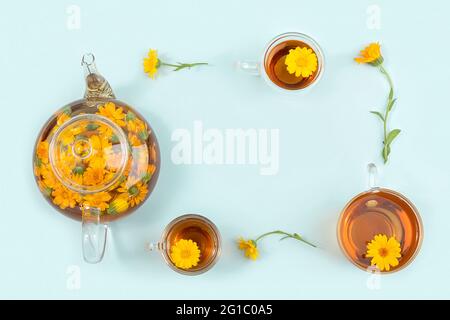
[(96, 160)]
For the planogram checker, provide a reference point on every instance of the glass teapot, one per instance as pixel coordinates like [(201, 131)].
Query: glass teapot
[(96, 160)]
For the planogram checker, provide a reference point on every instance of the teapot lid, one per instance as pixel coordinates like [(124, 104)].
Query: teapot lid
[(88, 153)]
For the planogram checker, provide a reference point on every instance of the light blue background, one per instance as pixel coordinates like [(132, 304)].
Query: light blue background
[(327, 137)]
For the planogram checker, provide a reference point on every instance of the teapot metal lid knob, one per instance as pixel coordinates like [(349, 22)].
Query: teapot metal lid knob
[(96, 85)]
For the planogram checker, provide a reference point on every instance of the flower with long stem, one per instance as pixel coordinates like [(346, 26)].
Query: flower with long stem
[(152, 63), (372, 55), (250, 246)]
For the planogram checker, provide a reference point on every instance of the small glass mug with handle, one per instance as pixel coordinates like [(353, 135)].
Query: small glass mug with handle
[(375, 217), (194, 233), (273, 69)]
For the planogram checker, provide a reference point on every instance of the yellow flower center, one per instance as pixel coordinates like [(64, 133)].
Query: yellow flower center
[(302, 62), (185, 254), (383, 252)]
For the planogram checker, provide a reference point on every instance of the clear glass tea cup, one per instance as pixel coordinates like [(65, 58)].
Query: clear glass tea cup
[(200, 230), (379, 211), (271, 66)]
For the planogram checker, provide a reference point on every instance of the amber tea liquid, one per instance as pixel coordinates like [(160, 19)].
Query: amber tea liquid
[(201, 232), (276, 69), (379, 212)]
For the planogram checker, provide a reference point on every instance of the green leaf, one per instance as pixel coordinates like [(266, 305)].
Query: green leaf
[(81, 137), (133, 191), (391, 94), (122, 179), (92, 126), (387, 144), (111, 210), (38, 162), (378, 114), (114, 139), (67, 110), (48, 191), (143, 135), (146, 178), (391, 104), (130, 116), (391, 136), (78, 170), (385, 153)]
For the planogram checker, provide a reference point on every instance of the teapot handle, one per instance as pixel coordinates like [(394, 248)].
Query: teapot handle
[(93, 235), (96, 85)]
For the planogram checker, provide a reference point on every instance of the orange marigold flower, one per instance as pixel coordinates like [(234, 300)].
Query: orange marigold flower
[(110, 111), (371, 54)]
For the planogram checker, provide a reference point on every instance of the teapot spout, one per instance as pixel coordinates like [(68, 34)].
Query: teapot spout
[(96, 85)]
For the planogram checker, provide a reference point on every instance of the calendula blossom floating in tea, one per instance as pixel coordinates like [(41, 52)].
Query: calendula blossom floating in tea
[(372, 55), (301, 61), (384, 252), (152, 63), (185, 254), (250, 247)]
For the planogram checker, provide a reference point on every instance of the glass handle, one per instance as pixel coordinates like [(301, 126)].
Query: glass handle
[(372, 173), (250, 67), (158, 246), (93, 235)]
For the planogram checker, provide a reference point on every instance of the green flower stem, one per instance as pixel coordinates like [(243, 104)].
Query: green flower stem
[(388, 136), (388, 77), (295, 236), (386, 115), (178, 66)]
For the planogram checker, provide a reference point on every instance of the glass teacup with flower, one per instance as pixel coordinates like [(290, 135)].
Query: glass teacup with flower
[(380, 229), (291, 61), (190, 244)]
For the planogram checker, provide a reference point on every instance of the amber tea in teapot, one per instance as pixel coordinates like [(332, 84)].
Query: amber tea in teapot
[(96, 159)]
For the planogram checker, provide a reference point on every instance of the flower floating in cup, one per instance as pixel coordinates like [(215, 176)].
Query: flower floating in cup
[(152, 63), (372, 55), (190, 244), (384, 252), (185, 254), (250, 246), (301, 61)]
